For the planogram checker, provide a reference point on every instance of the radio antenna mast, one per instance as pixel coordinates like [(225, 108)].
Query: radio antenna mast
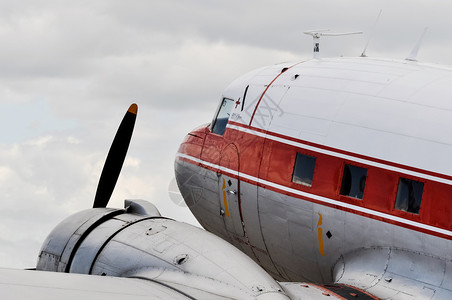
[(316, 34), (415, 50), (371, 34)]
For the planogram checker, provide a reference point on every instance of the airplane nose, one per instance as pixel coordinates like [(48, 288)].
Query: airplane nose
[(188, 159), (197, 175)]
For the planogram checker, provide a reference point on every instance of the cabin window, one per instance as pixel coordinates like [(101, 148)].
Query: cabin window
[(353, 181), (219, 125), (304, 169), (409, 195)]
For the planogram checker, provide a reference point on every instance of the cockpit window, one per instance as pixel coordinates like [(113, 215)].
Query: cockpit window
[(219, 125)]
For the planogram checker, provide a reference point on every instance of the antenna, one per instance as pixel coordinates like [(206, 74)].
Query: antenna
[(371, 34), (316, 34), (413, 54)]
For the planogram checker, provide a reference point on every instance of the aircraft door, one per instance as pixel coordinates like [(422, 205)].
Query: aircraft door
[(229, 190)]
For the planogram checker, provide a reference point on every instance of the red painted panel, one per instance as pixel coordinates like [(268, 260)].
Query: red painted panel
[(274, 161)]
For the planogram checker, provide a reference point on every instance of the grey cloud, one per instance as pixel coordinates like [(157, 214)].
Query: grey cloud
[(86, 61)]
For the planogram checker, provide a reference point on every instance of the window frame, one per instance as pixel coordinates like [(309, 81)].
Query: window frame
[(311, 172), (398, 204), (343, 192), (217, 113)]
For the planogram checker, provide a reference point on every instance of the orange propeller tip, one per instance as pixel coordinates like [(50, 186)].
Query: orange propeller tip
[(133, 108)]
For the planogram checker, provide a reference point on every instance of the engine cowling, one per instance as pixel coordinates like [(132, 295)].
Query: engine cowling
[(137, 242)]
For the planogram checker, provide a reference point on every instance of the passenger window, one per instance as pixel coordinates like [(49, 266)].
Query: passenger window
[(353, 181), (409, 195), (219, 125), (304, 169)]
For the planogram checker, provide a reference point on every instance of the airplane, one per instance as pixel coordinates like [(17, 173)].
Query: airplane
[(332, 171), (322, 179)]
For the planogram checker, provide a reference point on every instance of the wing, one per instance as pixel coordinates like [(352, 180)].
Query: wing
[(136, 253), (150, 284), (24, 284)]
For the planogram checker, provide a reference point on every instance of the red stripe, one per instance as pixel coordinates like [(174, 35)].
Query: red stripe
[(273, 161), (343, 152), (349, 210)]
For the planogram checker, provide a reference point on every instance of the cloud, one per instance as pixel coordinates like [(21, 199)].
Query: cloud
[(69, 70)]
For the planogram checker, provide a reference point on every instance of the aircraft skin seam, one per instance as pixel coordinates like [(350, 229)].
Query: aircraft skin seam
[(267, 87), (165, 285), (322, 200), (85, 234), (277, 268), (93, 263), (242, 221)]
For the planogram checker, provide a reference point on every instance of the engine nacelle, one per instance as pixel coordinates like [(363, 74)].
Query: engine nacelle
[(59, 248), (137, 242)]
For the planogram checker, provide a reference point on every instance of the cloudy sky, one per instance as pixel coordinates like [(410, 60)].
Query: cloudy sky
[(70, 69)]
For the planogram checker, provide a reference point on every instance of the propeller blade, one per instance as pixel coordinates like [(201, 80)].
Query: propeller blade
[(115, 158)]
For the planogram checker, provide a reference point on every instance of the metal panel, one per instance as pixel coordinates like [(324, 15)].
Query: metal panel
[(58, 247), (229, 191), (92, 244), (22, 284)]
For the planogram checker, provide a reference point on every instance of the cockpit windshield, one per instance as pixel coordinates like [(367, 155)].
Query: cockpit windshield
[(219, 125)]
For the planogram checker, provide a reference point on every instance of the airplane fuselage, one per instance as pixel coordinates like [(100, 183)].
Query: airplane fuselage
[(330, 169)]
